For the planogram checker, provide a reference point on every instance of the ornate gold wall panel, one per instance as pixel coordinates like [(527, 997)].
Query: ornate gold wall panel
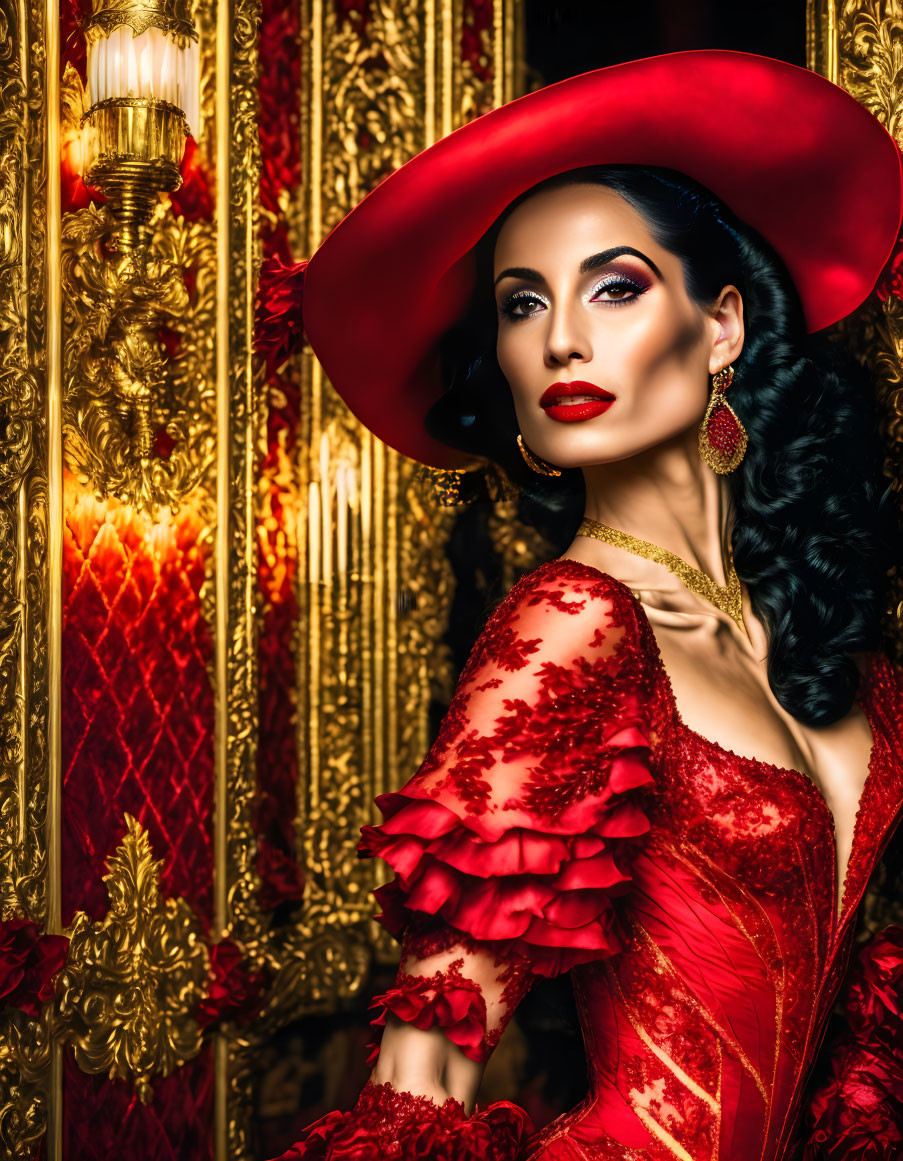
[(377, 588), (24, 1043), (23, 533), (213, 412), (372, 590), (858, 44)]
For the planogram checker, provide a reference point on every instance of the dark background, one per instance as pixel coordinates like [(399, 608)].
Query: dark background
[(573, 37)]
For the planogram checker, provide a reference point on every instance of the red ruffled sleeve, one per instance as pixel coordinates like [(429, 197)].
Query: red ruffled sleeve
[(517, 830), (510, 847)]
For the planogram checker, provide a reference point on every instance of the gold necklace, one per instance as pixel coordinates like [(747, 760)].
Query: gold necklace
[(727, 598)]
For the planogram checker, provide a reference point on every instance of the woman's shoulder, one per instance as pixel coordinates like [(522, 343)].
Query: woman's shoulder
[(564, 624), (566, 601), (563, 576), (537, 779)]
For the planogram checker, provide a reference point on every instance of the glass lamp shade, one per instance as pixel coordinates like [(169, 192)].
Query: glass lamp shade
[(144, 95), (150, 65)]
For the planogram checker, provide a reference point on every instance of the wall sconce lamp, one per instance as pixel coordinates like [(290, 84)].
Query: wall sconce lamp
[(125, 397), (144, 94)]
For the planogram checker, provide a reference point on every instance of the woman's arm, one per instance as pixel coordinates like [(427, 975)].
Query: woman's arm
[(508, 848), (441, 1020), (450, 1004), (426, 1063)]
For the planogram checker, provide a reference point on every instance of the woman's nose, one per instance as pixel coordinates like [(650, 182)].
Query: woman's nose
[(567, 338)]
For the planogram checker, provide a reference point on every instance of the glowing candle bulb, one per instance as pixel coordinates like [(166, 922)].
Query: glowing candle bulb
[(121, 78), (326, 508), (112, 66), (132, 68), (313, 532), (352, 487), (155, 45), (166, 72), (146, 68), (341, 503), (193, 97)]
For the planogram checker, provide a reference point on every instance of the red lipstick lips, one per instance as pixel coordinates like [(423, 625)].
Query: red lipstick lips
[(592, 401)]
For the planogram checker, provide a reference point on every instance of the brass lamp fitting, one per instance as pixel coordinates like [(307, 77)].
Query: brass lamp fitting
[(143, 85)]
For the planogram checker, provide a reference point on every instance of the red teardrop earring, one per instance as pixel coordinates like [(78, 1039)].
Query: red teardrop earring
[(722, 437)]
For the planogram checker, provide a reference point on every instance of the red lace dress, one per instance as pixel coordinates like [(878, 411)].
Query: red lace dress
[(567, 820)]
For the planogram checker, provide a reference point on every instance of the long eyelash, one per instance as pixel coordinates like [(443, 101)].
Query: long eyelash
[(611, 282), (507, 306), (618, 282)]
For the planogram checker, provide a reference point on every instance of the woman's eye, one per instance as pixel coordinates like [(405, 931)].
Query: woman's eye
[(617, 290), (521, 305)]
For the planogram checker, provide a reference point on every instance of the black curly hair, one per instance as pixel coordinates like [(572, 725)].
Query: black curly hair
[(814, 520)]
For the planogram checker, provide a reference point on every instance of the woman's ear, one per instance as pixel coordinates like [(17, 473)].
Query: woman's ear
[(727, 312)]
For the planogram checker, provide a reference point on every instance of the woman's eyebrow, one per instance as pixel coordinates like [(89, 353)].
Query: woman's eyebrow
[(606, 256), (592, 263)]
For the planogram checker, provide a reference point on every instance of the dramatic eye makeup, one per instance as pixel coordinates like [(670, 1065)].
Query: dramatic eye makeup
[(622, 283), (521, 304)]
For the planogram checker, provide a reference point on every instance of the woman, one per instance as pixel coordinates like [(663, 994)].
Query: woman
[(671, 762)]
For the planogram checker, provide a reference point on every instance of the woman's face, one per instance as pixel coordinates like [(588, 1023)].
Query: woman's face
[(590, 303)]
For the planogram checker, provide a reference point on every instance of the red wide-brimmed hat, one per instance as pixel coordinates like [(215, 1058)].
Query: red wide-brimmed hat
[(791, 154)]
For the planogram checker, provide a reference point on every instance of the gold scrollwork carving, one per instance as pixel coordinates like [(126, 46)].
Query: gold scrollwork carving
[(519, 547), (870, 57), (134, 979), (121, 393), (25, 1049), (170, 16), (237, 882), (19, 396), (376, 92)]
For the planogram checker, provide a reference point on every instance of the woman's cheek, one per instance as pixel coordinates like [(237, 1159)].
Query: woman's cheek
[(515, 374)]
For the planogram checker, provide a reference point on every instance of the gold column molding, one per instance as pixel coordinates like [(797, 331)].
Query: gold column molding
[(134, 980), (857, 44), (26, 181)]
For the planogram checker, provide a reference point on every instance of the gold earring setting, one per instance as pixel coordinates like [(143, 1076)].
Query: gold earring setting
[(534, 462), (722, 437)]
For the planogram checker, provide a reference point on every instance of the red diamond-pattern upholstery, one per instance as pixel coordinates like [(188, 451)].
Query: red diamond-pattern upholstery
[(103, 1120), (138, 714)]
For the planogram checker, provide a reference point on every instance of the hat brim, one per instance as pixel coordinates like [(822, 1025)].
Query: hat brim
[(793, 155)]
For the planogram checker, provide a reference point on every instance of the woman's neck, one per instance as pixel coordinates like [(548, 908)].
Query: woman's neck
[(668, 496)]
